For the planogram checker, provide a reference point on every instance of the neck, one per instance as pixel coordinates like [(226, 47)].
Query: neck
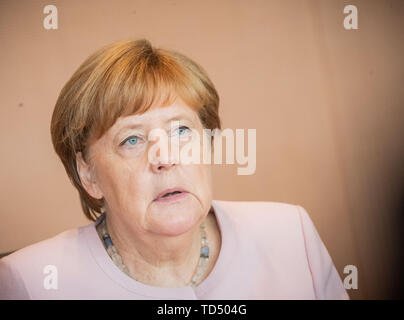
[(156, 259)]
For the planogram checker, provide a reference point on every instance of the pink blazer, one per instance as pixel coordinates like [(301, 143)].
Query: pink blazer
[(269, 250)]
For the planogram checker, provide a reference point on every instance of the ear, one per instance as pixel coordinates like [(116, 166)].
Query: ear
[(87, 177)]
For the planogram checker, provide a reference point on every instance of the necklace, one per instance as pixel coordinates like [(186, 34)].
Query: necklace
[(117, 259)]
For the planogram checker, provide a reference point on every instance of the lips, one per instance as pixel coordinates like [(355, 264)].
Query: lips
[(170, 192)]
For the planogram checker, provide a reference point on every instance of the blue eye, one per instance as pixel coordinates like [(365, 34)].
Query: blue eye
[(182, 130), (132, 140)]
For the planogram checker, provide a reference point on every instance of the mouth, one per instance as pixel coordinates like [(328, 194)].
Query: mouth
[(171, 194)]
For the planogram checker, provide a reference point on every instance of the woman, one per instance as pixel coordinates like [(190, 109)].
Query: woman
[(156, 231)]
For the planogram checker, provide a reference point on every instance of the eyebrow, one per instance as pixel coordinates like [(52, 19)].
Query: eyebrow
[(177, 117)]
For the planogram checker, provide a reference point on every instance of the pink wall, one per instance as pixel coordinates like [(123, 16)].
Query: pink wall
[(327, 104)]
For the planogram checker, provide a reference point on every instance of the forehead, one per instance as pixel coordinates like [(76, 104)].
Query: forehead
[(156, 116)]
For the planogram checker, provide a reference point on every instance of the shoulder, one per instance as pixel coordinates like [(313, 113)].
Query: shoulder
[(255, 206), (282, 227), (275, 228), (265, 216), (286, 234), (50, 247), (26, 267)]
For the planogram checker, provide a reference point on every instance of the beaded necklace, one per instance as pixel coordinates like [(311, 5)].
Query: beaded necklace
[(117, 259)]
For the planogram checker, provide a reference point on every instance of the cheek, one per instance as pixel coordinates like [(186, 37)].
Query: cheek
[(201, 177), (122, 182)]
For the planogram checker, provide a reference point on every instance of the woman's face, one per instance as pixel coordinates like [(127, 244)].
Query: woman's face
[(130, 183)]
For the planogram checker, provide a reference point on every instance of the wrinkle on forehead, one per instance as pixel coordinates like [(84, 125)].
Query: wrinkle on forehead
[(157, 118)]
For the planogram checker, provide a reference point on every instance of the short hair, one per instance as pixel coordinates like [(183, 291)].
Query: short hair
[(120, 79)]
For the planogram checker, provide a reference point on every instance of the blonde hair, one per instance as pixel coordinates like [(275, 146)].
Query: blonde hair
[(124, 78)]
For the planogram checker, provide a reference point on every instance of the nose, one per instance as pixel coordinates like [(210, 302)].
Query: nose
[(165, 160), (162, 166), (162, 155)]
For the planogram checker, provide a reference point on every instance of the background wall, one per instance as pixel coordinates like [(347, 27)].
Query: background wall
[(327, 104)]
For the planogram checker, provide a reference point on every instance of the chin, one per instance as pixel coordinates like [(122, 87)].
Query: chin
[(174, 219)]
